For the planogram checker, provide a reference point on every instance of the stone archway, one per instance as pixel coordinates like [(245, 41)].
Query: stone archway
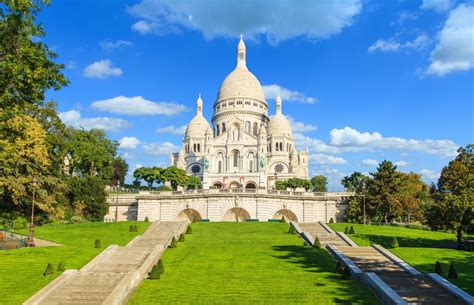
[(234, 185), (288, 215), (236, 214), (216, 185), (250, 185), (190, 215)]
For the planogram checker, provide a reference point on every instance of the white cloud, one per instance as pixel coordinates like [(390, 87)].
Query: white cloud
[(300, 126), (109, 45), (137, 105), (272, 91), (401, 163), (322, 159), (156, 149), (73, 118), (275, 20), (370, 162), (129, 142), (429, 175), (455, 47), (172, 130), (101, 69), (391, 45), (437, 5), (71, 65)]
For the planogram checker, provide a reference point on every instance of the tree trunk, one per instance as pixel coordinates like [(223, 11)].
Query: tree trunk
[(459, 237)]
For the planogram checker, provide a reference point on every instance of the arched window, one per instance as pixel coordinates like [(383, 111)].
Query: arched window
[(247, 126), (276, 146), (251, 166), (199, 147), (217, 130), (251, 158), (281, 146), (223, 127), (236, 157), (255, 129), (220, 162), (219, 166), (194, 147)]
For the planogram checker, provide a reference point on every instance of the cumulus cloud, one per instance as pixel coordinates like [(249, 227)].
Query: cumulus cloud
[(109, 45), (272, 91), (437, 5), (137, 105), (157, 149), (73, 118), (455, 47), (129, 142), (370, 162), (275, 20), (300, 126), (429, 175), (401, 163), (391, 45), (322, 159), (101, 69), (172, 130)]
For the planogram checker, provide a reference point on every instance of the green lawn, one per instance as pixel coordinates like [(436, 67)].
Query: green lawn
[(416, 247), (248, 263), (21, 269)]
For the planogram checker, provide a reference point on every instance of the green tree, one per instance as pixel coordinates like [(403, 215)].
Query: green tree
[(149, 175), (280, 185), (356, 182), (319, 183), (176, 177), (193, 183), (89, 192), (120, 168)]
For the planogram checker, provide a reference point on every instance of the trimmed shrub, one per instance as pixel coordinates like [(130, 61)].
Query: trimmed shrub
[(161, 268), (395, 243), (346, 273), (452, 273), (61, 267), (331, 220), (291, 230), (135, 228), (154, 274), (49, 270), (438, 268), (283, 219), (181, 238), (174, 243), (346, 230), (97, 243), (130, 229), (189, 230), (339, 267), (351, 230), (196, 219), (146, 219), (317, 243)]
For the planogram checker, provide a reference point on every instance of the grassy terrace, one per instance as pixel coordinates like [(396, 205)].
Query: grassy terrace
[(21, 270), (248, 263), (417, 248)]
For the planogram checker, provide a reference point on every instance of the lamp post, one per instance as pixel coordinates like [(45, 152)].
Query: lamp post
[(363, 198), (31, 240)]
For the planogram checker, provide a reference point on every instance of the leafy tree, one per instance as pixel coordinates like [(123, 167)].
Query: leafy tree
[(149, 175), (293, 183), (414, 194), (319, 183), (90, 191), (120, 168), (356, 182), (193, 182), (280, 185), (354, 212), (176, 177)]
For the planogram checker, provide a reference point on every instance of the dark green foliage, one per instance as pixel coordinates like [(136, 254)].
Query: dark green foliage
[(146, 219), (181, 238), (130, 229), (395, 243), (174, 243), (161, 268), (346, 230), (346, 273), (438, 268), (90, 191), (61, 267), (133, 228), (351, 230), (317, 243), (319, 183), (97, 243), (283, 219), (189, 230), (452, 273), (154, 274), (331, 220), (120, 168), (196, 219), (339, 267), (291, 230), (49, 270), (193, 182)]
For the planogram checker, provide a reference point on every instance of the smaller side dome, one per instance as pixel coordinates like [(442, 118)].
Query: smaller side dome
[(198, 126), (279, 124)]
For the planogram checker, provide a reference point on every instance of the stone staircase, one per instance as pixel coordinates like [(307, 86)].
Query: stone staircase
[(112, 275), (412, 288)]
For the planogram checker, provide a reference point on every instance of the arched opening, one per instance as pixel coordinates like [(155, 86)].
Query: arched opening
[(235, 158), (250, 185), (247, 126), (255, 129), (236, 214), (216, 185), (234, 185), (190, 215), (286, 214)]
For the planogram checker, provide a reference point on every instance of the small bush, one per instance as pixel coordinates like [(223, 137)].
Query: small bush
[(283, 219), (154, 274), (135, 228), (49, 270), (317, 243), (331, 220), (452, 273), (339, 267), (346, 230), (130, 229), (346, 273), (146, 219), (174, 243), (61, 267), (395, 243), (438, 268), (351, 230), (161, 268), (291, 230), (196, 219), (189, 230), (97, 243), (181, 238)]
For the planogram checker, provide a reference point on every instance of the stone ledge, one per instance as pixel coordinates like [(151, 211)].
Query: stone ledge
[(355, 271), (386, 294), (40, 295), (326, 227), (347, 239), (404, 265), (453, 289)]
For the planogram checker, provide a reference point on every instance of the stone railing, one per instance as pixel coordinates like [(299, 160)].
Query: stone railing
[(248, 191)]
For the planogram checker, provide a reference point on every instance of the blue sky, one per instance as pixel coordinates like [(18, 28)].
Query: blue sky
[(362, 81)]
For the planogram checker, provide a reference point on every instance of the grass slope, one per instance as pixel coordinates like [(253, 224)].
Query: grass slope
[(416, 247), (21, 269), (248, 263)]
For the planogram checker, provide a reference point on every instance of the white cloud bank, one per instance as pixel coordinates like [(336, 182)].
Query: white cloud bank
[(73, 118), (160, 149), (272, 91), (137, 105), (323, 159), (437, 5), (101, 69), (172, 130), (129, 143), (276, 20), (370, 162), (300, 126), (455, 47), (391, 45), (429, 175), (109, 45)]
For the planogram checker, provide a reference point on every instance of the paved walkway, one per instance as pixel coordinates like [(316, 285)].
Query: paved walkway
[(413, 289), (112, 275)]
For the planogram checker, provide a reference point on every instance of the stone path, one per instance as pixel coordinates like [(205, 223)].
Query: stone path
[(414, 289), (112, 276)]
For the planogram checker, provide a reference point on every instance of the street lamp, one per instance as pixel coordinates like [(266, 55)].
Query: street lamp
[(31, 240), (363, 198)]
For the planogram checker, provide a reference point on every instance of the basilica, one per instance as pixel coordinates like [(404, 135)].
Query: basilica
[(245, 148)]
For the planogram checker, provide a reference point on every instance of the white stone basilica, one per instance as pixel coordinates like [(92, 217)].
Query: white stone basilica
[(246, 148)]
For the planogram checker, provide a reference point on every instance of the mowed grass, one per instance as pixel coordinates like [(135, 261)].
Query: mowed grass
[(248, 263), (21, 269), (417, 247)]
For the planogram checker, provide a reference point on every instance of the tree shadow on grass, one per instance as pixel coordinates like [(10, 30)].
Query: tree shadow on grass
[(386, 241)]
